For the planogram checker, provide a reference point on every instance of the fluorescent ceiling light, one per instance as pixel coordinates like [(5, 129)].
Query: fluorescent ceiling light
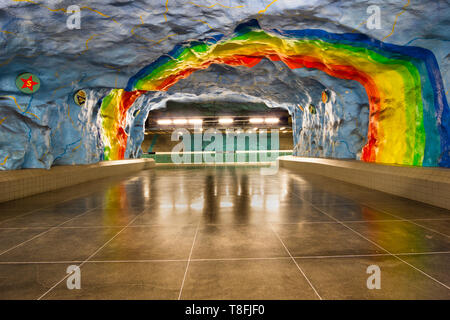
[(272, 120), (195, 121), (256, 120), (164, 121), (225, 120), (180, 121)]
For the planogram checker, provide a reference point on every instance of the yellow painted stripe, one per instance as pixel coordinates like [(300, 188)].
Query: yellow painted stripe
[(4, 161)]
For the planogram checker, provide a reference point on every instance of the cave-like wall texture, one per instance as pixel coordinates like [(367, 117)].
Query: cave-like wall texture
[(362, 79)]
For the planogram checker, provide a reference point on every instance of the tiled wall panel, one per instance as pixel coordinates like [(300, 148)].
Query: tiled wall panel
[(16, 184)]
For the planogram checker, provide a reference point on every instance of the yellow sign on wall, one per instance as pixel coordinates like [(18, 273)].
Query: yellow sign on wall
[(80, 98)]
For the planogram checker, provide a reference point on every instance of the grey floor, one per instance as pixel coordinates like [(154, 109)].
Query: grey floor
[(225, 233)]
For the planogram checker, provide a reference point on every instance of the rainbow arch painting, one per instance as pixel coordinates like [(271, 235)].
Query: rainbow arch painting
[(409, 115)]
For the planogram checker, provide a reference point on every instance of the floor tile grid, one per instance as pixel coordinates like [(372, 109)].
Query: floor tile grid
[(393, 215), (37, 209), (188, 261), (382, 248), (300, 257), (88, 258), (410, 221), (241, 259), (349, 194), (298, 267), (61, 226), (46, 231), (275, 179), (228, 259), (79, 195)]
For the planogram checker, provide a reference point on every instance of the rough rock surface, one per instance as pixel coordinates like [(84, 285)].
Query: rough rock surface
[(119, 38)]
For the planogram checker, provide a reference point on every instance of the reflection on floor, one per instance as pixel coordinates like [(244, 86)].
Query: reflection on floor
[(222, 233)]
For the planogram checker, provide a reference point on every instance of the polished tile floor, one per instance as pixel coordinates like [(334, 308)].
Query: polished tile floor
[(222, 233)]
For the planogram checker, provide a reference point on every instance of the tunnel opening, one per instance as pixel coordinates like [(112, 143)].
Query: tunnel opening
[(329, 125), (231, 131)]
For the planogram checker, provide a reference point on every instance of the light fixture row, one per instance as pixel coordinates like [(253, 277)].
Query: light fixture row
[(179, 121), (221, 121)]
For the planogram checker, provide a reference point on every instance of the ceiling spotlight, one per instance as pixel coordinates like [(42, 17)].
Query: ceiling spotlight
[(272, 120), (225, 120), (256, 120), (282, 128), (164, 122), (180, 121), (195, 121)]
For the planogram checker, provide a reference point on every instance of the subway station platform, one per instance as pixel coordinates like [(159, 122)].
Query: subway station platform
[(222, 233)]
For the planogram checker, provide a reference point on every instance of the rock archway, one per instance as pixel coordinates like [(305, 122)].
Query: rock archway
[(409, 116)]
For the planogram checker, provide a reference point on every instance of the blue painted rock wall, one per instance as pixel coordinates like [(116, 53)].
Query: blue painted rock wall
[(118, 38)]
